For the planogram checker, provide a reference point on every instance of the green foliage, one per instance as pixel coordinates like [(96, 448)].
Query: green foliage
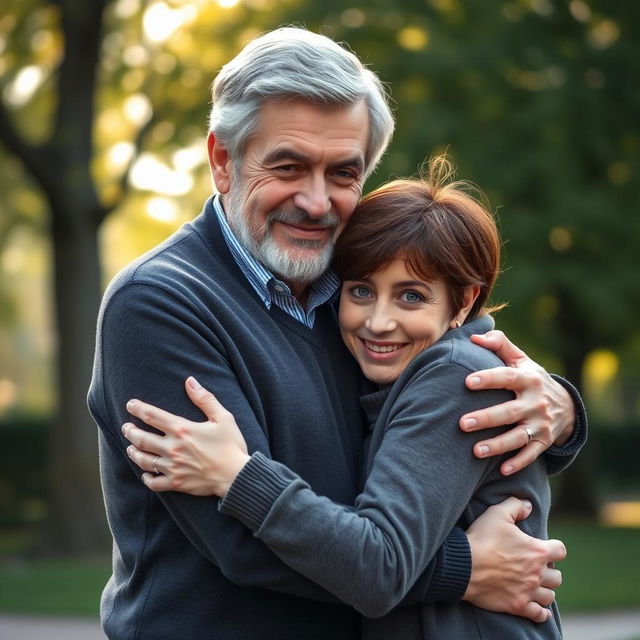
[(532, 100), (535, 101), (23, 470), (615, 450)]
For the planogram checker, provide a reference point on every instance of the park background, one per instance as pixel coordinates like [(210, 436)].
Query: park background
[(103, 119)]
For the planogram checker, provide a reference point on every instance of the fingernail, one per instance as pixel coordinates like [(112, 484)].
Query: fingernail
[(527, 504), (483, 450), (129, 450), (193, 383), (124, 428), (131, 404), (469, 423), (474, 381), (508, 469)]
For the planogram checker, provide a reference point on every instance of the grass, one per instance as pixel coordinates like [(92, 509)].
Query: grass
[(602, 568), (69, 587), (602, 571)]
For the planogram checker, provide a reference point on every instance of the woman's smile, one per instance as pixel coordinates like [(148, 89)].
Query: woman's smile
[(389, 317)]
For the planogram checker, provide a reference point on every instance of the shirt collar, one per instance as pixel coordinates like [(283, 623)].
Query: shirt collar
[(269, 288)]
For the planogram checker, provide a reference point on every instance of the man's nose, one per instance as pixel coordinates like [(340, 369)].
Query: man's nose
[(313, 197)]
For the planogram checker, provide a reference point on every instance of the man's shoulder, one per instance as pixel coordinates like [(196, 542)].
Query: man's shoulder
[(180, 261)]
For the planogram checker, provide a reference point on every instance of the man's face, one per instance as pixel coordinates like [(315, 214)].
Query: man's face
[(299, 181)]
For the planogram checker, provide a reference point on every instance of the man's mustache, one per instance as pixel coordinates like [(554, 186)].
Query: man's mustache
[(300, 217)]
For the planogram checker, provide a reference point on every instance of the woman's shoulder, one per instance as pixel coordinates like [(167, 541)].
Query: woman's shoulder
[(456, 348)]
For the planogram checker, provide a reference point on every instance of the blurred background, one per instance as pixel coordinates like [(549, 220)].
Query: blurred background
[(103, 121)]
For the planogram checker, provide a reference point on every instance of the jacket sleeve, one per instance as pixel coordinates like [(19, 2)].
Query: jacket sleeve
[(422, 478)]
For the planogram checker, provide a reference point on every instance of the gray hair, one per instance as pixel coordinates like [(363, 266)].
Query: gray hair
[(290, 63)]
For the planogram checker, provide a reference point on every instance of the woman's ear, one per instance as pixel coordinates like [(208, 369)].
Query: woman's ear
[(468, 298), (219, 163)]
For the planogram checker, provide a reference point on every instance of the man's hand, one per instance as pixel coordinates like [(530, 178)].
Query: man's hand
[(543, 411), (511, 571)]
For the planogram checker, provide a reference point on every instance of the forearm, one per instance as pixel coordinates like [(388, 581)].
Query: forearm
[(353, 558), (262, 483), (371, 558), (446, 577)]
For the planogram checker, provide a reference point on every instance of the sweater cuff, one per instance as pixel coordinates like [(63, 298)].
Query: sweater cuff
[(453, 569), (559, 458), (253, 492)]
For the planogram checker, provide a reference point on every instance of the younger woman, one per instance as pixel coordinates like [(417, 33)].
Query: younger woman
[(418, 260)]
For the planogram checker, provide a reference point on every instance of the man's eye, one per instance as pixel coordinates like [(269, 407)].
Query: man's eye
[(345, 175)]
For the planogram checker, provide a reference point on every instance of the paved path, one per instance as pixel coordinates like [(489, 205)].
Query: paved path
[(624, 625), (46, 628)]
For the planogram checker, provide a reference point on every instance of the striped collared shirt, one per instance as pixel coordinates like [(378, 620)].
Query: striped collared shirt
[(267, 286)]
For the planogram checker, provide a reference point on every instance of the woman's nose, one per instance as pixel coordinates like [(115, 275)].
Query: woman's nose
[(380, 322)]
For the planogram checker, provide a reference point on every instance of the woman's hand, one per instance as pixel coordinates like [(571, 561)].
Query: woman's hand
[(543, 411), (200, 458)]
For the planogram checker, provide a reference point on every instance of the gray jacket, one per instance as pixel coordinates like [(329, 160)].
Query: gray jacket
[(422, 480)]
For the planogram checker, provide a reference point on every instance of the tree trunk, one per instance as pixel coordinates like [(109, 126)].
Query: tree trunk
[(77, 522)]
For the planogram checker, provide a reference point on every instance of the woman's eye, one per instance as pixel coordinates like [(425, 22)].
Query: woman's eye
[(411, 296), (360, 292)]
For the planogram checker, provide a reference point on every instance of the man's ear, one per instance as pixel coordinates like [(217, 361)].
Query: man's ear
[(219, 163)]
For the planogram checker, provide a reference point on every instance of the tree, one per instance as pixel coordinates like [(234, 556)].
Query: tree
[(72, 63), (60, 166)]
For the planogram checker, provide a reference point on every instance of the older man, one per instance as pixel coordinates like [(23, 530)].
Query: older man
[(241, 298)]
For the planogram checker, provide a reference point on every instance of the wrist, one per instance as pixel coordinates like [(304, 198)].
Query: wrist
[(234, 463), (568, 418), (478, 576)]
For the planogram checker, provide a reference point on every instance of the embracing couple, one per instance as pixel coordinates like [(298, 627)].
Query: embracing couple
[(361, 494)]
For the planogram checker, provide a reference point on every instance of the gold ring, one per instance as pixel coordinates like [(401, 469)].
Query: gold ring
[(154, 466)]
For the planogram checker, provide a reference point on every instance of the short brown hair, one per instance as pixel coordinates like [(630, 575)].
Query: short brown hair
[(435, 224)]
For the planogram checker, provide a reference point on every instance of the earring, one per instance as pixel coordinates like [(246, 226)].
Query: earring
[(457, 324)]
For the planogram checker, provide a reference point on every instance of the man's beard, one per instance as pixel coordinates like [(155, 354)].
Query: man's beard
[(288, 264)]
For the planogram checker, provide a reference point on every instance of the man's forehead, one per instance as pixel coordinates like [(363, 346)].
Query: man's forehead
[(304, 128)]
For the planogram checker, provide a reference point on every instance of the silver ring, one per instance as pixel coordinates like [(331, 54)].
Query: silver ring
[(529, 433), (154, 466)]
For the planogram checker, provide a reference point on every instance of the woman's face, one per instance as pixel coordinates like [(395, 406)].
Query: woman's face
[(389, 317)]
